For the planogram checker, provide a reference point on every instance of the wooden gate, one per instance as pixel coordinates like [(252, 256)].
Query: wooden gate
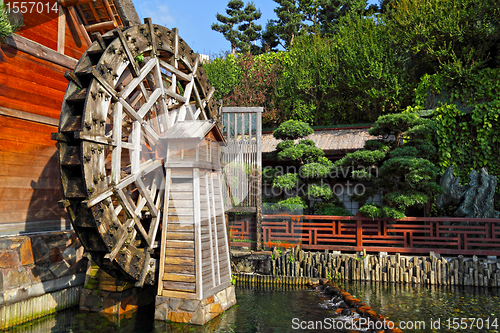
[(242, 159)]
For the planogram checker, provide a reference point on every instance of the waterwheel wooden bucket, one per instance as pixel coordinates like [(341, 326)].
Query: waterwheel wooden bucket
[(126, 99)]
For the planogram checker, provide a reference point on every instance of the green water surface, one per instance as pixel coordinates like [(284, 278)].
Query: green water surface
[(274, 309)]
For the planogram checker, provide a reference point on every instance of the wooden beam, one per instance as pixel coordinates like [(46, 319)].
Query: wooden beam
[(28, 116), (108, 25), (71, 3), (78, 23), (259, 177), (42, 52), (242, 210), (61, 29), (110, 12), (92, 8), (80, 12), (164, 230), (238, 109), (197, 232)]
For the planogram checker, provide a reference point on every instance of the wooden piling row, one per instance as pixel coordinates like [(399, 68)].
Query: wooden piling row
[(271, 279), (430, 270)]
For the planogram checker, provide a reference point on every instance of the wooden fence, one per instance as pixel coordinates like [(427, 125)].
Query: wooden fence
[(242, 232), (445, 235)]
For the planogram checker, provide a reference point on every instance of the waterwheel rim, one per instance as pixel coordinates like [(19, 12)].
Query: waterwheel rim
[(129, 88)]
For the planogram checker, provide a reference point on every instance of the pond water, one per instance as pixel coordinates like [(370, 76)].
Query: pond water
[(258, 310), (274, 309), (441, 305)]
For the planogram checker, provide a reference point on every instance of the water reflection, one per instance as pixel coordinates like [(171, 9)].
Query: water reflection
[(269, 309), (263, 309), (403, 302)]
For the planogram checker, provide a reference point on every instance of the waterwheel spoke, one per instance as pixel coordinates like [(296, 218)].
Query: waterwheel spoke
[(153, 99), (145, 194), (201, 106), (149, 132), (132, 85), (144, 169), (129, 206), (153, 229), (119, 244), (142, 201), (163, 105)]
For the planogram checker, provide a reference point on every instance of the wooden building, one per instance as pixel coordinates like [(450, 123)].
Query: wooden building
[(33, 62), (195, 259)]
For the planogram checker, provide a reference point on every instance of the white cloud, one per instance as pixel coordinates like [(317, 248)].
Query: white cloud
[(158, 11)]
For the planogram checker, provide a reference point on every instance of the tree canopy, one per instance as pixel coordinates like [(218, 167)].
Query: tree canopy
[(239, 26)]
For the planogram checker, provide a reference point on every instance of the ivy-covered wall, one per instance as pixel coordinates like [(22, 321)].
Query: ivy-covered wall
[(466, 114)]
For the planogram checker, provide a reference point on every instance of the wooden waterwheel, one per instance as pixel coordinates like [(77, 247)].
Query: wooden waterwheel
[(129, 88)]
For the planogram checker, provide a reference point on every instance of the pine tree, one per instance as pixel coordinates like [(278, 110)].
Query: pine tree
[(239, 26), (284, 30), (308, 179), (401, 164)]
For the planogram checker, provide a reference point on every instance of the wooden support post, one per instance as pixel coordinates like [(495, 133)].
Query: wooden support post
[(61, 29), (259, 179)]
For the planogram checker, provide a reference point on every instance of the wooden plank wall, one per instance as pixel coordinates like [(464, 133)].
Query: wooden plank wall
[(179, 269), (215, 258), (31, 94)]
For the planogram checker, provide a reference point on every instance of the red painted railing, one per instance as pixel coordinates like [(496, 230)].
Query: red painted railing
[(242, 232), (445, 235)]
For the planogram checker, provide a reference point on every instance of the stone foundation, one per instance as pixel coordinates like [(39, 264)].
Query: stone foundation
[(192, 311), (39, 274), (106, 294)]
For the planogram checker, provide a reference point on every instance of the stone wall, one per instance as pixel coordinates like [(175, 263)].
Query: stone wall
[(37, 266), (194, 311)]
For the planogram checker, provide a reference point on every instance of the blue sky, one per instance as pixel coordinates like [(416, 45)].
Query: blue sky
[(193, 18)]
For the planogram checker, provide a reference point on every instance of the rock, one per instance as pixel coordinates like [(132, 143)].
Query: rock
[(55, 255), (16, 278), (41, 274), (69, 253), (26, 253), (9, 259), (215, 308), (174, 303), (5, 243), (314, 282), (59, 269), (189, 305), (41, 252), (435, 256), (180, 317)]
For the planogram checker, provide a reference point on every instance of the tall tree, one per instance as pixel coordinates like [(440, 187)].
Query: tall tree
[(312, 16), (249, 31), (289, 22), (239, 26)]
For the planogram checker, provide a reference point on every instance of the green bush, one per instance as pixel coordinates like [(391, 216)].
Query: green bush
[(331, 209), (314, 170), (376, 211), (320, 192), (292, 129), (287, 181), (292, 205)]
